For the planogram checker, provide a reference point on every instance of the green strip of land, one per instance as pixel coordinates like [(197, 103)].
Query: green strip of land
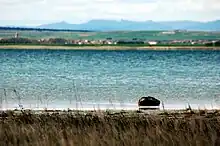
[(108, 47)]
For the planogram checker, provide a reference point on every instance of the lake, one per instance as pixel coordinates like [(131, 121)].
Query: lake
[(84, 79)]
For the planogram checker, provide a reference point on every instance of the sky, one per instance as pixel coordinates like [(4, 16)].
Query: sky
[(36, 12)]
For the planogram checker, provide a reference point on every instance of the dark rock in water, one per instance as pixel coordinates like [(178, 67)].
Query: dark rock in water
[(148, 101)]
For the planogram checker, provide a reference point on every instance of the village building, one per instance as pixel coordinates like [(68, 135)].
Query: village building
[(152, 43)]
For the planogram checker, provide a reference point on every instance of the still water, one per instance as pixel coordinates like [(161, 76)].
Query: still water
[(108, 79)]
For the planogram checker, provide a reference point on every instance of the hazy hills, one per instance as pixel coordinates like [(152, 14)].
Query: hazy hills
[(113, 25)]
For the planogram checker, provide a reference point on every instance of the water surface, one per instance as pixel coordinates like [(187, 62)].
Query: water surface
[(59, 78)]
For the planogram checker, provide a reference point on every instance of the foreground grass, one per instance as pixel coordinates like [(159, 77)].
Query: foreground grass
[(106, 128)]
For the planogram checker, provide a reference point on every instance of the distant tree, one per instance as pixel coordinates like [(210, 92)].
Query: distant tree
[(17, 41), (213, 44), (57, 41), (130, 42), (217, 43)]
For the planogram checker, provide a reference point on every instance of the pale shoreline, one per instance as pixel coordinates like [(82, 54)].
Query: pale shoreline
[(31, 47), (99, 112)]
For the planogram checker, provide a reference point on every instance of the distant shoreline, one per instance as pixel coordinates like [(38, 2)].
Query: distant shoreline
[(31, 47)]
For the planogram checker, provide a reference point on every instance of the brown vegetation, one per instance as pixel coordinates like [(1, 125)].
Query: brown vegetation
[(106, 128)]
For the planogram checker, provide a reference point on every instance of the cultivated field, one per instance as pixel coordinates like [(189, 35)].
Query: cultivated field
[(145, 35)]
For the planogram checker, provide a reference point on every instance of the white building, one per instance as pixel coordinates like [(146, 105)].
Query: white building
[(16, 35), (169, 32), (152, 42)]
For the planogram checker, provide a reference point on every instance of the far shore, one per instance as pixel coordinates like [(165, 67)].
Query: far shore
[(108, 47)]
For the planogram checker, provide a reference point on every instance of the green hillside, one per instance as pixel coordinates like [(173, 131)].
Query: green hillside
[(116, 35)]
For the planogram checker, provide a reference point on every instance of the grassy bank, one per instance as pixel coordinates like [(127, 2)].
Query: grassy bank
[(106, 128), (108, 47)]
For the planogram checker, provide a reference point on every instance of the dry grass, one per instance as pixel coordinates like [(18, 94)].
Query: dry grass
[(106, 128)]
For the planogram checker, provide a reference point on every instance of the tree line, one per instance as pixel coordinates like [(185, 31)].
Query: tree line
[(40, 29), (62, 41)]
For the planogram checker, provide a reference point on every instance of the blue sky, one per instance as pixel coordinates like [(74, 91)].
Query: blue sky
[(36, 12)]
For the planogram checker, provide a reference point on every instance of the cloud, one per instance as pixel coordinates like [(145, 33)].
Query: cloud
[(76, 11)]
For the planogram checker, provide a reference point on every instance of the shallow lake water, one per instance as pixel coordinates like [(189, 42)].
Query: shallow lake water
[(62, 79)]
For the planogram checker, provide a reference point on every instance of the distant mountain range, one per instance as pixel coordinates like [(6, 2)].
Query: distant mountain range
[(123, 25)]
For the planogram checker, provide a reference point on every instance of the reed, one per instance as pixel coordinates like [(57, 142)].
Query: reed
[(108, 128)]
